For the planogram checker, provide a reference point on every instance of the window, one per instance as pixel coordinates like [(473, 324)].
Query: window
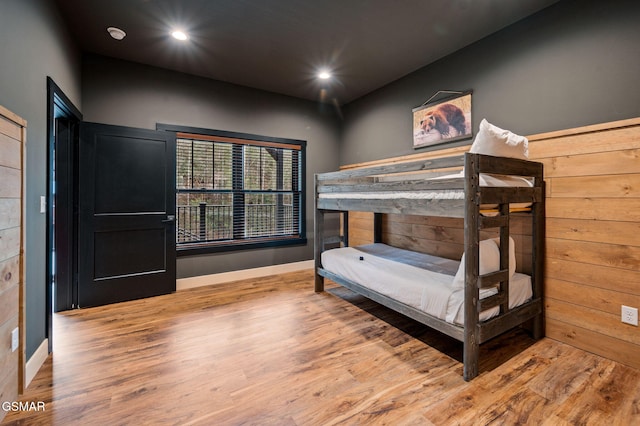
[(237, 191)]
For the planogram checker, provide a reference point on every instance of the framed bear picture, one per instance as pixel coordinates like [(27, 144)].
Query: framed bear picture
[(445, 120)]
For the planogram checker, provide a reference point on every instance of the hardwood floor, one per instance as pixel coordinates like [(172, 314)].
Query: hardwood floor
[(271, 351)]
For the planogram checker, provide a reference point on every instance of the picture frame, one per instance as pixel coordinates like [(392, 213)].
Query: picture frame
[(445, 120)]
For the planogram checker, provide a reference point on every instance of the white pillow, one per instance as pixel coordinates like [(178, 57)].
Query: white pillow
[(489, 261), (492, 140)]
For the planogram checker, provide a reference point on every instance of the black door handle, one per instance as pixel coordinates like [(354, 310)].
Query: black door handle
[(170, 218)]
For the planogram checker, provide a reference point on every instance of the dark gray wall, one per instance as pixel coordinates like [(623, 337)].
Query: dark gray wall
[(34, 45), (575, 63), (129, 94)]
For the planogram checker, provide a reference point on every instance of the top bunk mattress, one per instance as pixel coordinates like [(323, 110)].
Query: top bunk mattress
[(486, 180), (419, 280), (426, 187)]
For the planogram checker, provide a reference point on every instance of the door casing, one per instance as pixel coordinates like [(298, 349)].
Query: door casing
[(60, 110)]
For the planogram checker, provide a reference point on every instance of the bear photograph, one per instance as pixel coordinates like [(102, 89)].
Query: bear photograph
[(443, 121)]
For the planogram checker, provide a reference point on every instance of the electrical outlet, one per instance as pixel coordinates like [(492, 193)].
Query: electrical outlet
[(630, 315), (15, 339)]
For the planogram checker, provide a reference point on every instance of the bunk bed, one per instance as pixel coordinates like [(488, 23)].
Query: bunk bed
[(483, 295)]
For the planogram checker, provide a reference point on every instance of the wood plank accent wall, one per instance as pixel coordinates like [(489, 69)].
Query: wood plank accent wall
[(593, 236), (12, 137), (592, 259)]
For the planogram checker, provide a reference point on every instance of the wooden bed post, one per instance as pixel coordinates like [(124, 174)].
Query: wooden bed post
[(538, 256), (345, 229), (318, 239), (471, 249), (504, 253), (377, 227)]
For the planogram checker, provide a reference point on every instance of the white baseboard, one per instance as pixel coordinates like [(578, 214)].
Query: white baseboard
[(35, 362), (192, 282)]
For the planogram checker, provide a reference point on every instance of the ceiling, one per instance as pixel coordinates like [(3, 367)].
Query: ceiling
[(280, 45)]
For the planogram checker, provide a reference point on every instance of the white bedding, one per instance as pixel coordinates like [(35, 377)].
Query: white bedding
[(428, 291)]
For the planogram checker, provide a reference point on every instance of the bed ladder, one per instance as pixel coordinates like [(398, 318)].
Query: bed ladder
[(474, 334), (473, 224)]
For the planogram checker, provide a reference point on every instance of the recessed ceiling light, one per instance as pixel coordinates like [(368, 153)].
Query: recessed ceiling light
[(116, 33), (179, 35), (324, 75)]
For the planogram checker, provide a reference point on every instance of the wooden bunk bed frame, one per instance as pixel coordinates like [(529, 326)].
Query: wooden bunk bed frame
[(372, 179)]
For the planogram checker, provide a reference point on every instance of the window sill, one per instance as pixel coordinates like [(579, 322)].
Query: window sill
[(226, 246)]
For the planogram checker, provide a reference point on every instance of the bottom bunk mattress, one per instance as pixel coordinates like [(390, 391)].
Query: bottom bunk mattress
[(419, 280)]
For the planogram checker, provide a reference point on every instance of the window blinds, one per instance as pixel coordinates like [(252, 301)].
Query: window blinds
[(231, 189)]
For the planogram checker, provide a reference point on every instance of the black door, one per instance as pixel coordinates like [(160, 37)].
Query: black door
[(126, 229)]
